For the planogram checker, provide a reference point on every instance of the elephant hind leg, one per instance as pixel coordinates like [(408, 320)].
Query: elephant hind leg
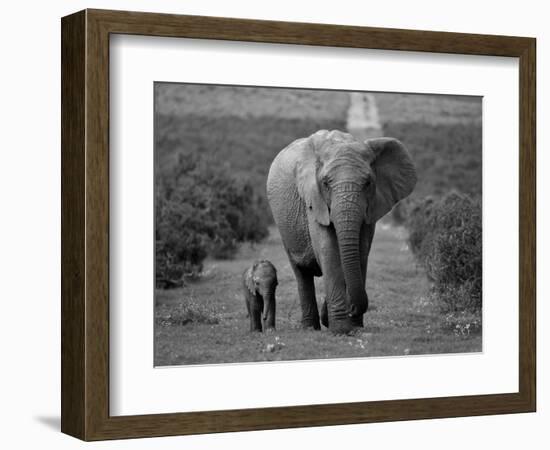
[(308, 302)]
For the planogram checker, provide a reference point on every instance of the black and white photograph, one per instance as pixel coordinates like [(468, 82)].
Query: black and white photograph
[(244, 225), (298, 224)]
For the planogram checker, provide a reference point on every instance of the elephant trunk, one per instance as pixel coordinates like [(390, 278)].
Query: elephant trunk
[(267, 301), (348, 213), (268, 314)]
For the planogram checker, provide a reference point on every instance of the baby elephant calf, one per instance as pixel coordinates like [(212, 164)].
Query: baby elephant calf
[(260, 282)]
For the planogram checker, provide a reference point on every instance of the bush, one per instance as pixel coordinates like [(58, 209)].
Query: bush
[(200, 210), (445, 236), (417, 222)]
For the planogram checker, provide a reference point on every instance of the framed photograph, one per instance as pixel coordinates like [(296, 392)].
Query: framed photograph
[(272, 225)]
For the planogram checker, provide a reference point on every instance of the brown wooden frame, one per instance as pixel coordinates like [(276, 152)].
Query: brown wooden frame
[(85, 224)]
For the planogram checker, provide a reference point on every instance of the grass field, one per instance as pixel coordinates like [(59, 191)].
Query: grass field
[(426, 108), (400, 321)]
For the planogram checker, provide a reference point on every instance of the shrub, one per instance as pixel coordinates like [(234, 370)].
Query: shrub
[(417, 223), (200, 210), (445, 236)]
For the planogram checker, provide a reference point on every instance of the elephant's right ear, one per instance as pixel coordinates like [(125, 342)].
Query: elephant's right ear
[(308, 188), (250, 281)]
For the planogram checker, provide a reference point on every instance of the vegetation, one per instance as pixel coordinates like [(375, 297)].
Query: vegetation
[(202, 210), (245, 127), (446, 156), (214, 146), (445, 236), (246, 145), (428, 307), (187, 310), (428, 108), (402, 318)]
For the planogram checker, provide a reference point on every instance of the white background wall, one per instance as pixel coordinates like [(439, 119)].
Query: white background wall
[(30, 225)]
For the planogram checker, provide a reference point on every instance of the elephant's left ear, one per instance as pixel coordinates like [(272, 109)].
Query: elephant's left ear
[(395, 175)]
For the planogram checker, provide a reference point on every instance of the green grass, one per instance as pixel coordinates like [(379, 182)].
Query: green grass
[(401, 320)]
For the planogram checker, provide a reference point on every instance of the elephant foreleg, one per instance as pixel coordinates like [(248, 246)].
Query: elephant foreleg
[(269, 322), (367, 235), (255, 312), (336, 307), (308, 302), (247, 301)]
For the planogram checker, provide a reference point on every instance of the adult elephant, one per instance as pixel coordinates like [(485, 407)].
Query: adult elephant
[(326, 193)]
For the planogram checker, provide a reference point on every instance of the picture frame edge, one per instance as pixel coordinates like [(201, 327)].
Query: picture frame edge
[(72, 224), (85, 234)]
